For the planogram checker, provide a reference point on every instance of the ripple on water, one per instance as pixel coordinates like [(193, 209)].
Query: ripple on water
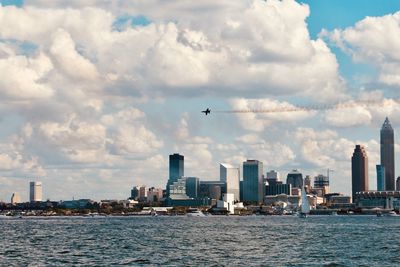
[(210, 241)]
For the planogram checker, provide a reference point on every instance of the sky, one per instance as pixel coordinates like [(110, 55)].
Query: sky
[(96, 94)]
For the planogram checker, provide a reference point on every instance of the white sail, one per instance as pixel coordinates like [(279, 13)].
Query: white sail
[(305, 206)]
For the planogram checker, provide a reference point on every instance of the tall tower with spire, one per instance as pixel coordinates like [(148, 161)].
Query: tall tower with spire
[(387, 154)]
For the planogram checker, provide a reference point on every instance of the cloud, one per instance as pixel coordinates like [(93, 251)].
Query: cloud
[(258, 122), (32, 69), (99, 107), (374, 40), (69, 60), (186, 56)]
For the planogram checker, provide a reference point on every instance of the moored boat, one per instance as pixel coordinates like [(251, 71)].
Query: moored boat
[(195, 213)]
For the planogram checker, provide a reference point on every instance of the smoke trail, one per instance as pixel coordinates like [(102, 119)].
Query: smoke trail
[(309, 108)]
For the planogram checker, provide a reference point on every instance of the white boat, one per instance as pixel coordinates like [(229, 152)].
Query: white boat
[(305, 206), (392, 214), (195, 213)]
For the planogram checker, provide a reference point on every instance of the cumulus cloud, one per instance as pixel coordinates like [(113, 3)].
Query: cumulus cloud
[(32, 69), (232, 56), (81, 87), (374, 40)]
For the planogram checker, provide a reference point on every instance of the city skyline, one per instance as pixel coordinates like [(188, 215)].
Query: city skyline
[(96, 96)]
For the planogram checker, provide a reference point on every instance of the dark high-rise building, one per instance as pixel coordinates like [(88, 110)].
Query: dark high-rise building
[(192, 187), (295, 178), (359, 171), (398, 184), (387, 154), (380, 178), (212, 189), (176, 167), (253, 186), (134, 193)]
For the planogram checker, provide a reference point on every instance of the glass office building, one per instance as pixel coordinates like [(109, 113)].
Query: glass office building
[(253, 186)]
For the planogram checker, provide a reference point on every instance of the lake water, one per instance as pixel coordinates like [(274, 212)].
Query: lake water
[(205, 241)]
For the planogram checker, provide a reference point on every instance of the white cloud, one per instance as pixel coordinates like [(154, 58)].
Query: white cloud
[(21, 77), (259, 121), (69, 60), (82, 75), (374, 40), (231, 56)]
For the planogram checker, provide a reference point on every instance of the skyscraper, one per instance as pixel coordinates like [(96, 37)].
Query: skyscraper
[(387, 154), (380, 178), (295, 178), (230, 175), (398, 184), (253, 187), (176, 170), (273, 178), (192, 187), (135, 193), (359, 170), (35, 191)]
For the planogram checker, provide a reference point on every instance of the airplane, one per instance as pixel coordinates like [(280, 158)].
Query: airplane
[(207, 111)]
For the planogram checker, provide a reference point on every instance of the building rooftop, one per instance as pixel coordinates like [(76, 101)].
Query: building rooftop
[(386, 125)]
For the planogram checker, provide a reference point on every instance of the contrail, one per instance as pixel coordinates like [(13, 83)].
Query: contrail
[(310, 107)]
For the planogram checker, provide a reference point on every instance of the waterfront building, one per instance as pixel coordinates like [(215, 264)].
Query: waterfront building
[(321, 185), (134, 193), (176, 170), (295, 178), (177, 190), (241, 190), (15, 198), (359, 170), (398, 184), (320, 181), (337, 200), (227, 203), (291, 202), (192, 187), (277, 189), (253, 187), (154, 194), (231, 176), (76, 204), (212, 189), (143, 193), (378, 199), (35, 191), (387, 154), (273, 177), (380, 177)]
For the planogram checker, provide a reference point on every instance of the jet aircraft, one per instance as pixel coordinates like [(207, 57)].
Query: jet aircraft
[(207, 111)]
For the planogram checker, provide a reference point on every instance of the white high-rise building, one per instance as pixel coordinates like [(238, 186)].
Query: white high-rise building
[(231, 176), (15, 198), (35, 191)]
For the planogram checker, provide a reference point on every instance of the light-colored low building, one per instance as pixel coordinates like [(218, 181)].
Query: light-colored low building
[(128, 203), (227, 203), (291, 202)]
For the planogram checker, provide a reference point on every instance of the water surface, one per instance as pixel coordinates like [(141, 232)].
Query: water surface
[(205, 241)]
